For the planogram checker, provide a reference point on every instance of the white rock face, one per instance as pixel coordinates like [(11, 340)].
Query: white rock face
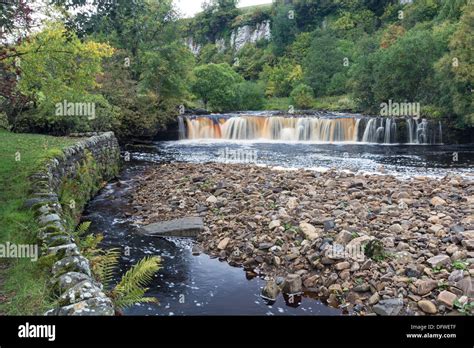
[(239, 37), (250, 34), (194, 47)]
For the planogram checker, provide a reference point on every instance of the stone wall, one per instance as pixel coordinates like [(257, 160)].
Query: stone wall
[(87, 164)]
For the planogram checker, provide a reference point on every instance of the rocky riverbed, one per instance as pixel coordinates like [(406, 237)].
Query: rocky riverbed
[(371, 244)]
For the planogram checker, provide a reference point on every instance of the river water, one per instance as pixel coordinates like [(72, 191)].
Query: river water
[(199, 285)]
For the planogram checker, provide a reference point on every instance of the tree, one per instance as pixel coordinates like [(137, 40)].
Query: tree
[(455, 72), (56, 67), (250, 96), (302, 96), (326, 57), (216, 85), (284, 28)]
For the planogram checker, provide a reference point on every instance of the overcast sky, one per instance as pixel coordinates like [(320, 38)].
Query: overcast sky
[(189, 8)]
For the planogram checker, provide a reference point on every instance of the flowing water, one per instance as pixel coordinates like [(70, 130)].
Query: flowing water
[(195, 285), (323, 127)]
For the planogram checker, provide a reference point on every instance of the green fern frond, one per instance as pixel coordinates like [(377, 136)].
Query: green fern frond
[(103, 266), (132, 286), (83, 228)]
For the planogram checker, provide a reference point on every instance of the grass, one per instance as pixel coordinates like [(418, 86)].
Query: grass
[(23, 283)]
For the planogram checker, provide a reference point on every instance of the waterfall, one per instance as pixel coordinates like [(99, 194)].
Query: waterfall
[(181, 128), (328, 129)]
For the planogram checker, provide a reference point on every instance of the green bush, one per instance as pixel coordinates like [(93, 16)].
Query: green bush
[(251, 96), (302, 96)]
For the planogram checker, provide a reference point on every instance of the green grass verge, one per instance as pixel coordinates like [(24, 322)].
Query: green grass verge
[(23, 283)]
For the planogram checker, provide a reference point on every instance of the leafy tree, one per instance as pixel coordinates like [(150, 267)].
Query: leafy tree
[(282, 78), (251, 96), (55, 67), (216, 85), (302, 96), (284, 28), (250, 61), (326, 57), (455, 72)]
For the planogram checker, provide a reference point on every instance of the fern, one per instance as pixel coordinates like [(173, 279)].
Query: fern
[(132, 287), (82, 228), (104, 264)]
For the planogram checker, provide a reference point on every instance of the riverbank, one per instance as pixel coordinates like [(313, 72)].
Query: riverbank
[(23, 283), (316, 227)]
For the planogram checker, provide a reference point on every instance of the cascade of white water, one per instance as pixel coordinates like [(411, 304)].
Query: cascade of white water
[(319, 129)]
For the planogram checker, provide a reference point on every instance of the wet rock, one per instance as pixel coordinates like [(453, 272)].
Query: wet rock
[(439, 260), (271, 291), (184, 227), (309, 231), (447, 298), (388, 307), (292, 284), (196, 250), (427, 307)]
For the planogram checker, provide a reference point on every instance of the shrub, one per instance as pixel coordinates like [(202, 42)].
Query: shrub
[(302, 96)]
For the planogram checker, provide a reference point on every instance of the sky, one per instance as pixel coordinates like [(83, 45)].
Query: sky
[(189, 8)]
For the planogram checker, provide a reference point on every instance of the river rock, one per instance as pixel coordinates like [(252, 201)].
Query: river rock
[(309, 231), (274, 224), (292, 203), (396, 229), (292, 284), (436, 201), (423, 287), (388, 307), (447, 298), (439, 260), (374, 299), (184, 227), (223, 243), (344, 237), (270, 291), (342, 265), (211, 199), (427, 307)]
